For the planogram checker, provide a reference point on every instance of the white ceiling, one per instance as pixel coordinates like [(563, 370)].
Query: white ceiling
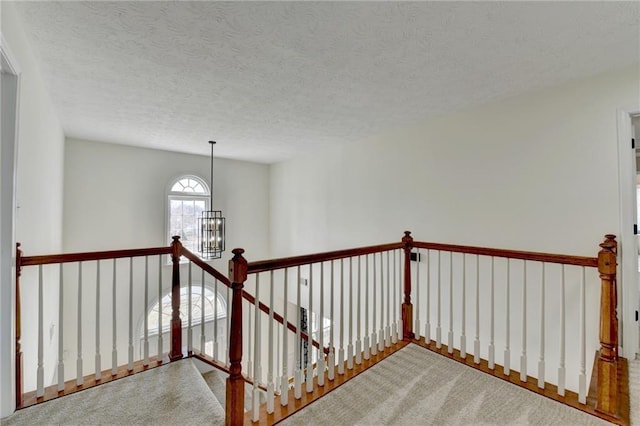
[(271, 80)]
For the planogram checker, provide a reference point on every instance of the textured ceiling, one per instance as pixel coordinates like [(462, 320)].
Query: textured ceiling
[(271, 80)]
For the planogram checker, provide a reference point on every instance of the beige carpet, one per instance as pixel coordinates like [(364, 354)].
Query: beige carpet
[(174, 394), (417, 387)]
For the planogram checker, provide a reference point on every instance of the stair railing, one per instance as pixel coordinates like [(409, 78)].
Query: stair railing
[(112, 280), (338, 309), (468, 302)]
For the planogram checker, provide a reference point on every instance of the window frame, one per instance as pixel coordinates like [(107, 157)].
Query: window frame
[(181, 195)]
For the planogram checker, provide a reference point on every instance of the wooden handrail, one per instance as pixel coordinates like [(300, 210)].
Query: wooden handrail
[(207, 268), (288, 262), (512, 254), (88, 256), (276, 316)]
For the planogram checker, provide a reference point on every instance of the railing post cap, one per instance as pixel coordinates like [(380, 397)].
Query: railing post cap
[(610, 236), (407, 233), (237, 251), (175, 238)]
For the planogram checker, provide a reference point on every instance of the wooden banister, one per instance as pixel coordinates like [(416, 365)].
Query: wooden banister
[(19, 365), (277, 317), (204, 265), (176, 323), (288, 262), (512, 254), (407, 307), (96, 255), (235, 382), (607, 391)]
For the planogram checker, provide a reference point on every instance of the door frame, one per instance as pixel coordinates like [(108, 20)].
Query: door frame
[(628, 332), (9, 119)]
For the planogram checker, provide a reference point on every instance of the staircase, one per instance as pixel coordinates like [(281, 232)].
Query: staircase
[(174, 394)]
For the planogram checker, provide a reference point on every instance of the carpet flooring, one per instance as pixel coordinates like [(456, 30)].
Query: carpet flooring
[(174, 394), (417, 387), (411, 387)]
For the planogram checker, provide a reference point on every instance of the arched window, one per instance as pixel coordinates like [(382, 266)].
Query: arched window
[(212, 303), (188, 198)]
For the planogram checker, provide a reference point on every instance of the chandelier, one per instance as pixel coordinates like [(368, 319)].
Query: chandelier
[(211, 226)]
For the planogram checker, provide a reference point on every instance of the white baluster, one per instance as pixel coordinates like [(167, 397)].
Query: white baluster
[(130, 363), (541, 374), (79, 369), (381, 331), (450, 335), (366, 343), (394, 326), (387, 329), (417, 301), (309, 366), (114, 349), (257, 355), (249, 342), (341, 350), (359, 318), (463, 337), (492, 348), (40, 370), (321, 359), (160, 342), (582, 378), (350, 344), (400, 293), (203, 339), (98, 361), (61, 332), (427, 325), (216, 338), (374, 338), (190, 311), (439, 306), (284, 385), (270, 384), (561, 368), (228, 317), (332, 360), (523, 356), (507, 350), (297, 376), (145, 361), (476, 342)]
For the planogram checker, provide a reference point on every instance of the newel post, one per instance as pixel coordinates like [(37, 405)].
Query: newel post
[(234, 412), (176, 323), (407, 307), (608, 357), (19, 364)]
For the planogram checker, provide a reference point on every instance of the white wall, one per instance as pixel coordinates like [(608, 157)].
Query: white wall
[(39, 185), (536, 172), (115, 198)]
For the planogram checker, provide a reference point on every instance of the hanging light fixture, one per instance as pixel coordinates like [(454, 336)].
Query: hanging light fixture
[(211, 227)]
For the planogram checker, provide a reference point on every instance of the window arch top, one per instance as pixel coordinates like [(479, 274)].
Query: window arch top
[(191, 185)]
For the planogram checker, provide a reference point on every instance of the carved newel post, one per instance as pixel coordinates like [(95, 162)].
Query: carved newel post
[(235, 382), (608, 356), (407, 307), (176, 323)]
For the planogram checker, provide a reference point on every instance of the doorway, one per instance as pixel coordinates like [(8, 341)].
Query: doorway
[(9, 94)]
